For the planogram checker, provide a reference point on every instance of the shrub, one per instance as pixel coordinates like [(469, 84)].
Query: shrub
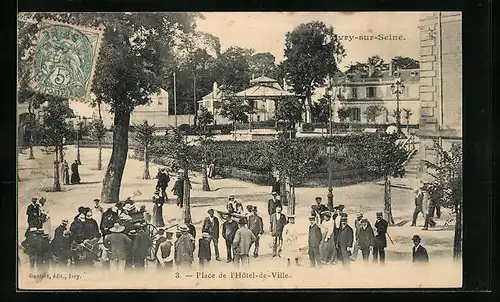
[(185, 128), (307, 127)]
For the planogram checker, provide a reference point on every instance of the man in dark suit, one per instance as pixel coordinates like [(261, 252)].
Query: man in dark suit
[(34, 214), (380, 240), (419, 253), (313, 242), (229, 228), (346, 239), (278, 221), (418, 206), (211, 226), (256, 225), (272, 204)]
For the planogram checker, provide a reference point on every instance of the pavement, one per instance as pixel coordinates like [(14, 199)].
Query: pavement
[(36, 179)]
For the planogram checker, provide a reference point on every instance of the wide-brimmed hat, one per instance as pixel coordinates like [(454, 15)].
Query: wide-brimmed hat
[(117, 228), (183, 228), (415, 238), (132, 232), (205, 235), (32, 229), (274, 193), (318, 197)]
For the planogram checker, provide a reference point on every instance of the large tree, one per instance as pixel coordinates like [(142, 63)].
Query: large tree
[(262, 63), (233, 69), (320, 112), (386, 159), (55, 129), (289, 110), (312, 52)]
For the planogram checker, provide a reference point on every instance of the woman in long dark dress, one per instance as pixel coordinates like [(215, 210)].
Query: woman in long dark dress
[(158, 209), (75, 175)]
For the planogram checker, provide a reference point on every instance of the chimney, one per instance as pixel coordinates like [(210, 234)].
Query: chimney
[(215, 89), (370, 70)]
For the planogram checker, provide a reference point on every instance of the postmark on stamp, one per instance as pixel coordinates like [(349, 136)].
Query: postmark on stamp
[(64, 60)]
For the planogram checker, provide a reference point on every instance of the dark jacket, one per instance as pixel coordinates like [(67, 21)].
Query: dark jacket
[(90, 229), (366, 237), (118, 245), (141, 245), (184, 248), (33, 213), (108, 220), (314, 236), (277, 225), (276, 187), (204, 251), (420, 255), (272, 204), (59, 231), (229, 230), (346, 237), (255, 224), (211, 228), (192, 230), (178, 188), (163, 179), (61, 247), (381, 229), (77, 230)]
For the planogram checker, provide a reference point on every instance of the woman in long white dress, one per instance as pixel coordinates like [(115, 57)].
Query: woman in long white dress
[(291, 248), (47, 225)]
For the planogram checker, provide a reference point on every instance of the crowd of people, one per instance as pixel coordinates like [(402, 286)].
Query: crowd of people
[(119, 237)]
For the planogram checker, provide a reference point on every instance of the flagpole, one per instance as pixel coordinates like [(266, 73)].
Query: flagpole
[(175, 103)]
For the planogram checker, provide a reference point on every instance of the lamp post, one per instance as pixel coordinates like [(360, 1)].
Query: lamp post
[(329, 151), (398, 88), (79, 128)]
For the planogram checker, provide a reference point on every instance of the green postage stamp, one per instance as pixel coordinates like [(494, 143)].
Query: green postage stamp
[(65, 60)]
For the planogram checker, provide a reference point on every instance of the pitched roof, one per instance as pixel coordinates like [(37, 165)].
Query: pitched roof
[(406, 76), (263, 79), (263, 91)]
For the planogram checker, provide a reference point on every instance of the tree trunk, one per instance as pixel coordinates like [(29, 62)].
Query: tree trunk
[(114, 173), (99, 156), (283, 188), (56, 187), (457, 240), (234, 130), (308, 107), (186, 198), (30, 143), (206, 185), (387, 201), (291, 202), (146, 175)]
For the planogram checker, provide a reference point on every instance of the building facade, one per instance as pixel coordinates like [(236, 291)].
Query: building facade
[(440, 82), (357, 95)]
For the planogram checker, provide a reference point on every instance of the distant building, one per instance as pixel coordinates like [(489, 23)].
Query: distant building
[(440, 81), (360, 93)]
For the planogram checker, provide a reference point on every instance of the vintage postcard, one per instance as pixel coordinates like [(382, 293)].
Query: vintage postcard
[(234, 150)]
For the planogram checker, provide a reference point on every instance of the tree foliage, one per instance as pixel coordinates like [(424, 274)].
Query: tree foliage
[(387, 156), (400, 62), (321, 110), (262, 63), (205, 118), (234, 109), (289, 109), (312, 52), (373, 111), (343, 113)]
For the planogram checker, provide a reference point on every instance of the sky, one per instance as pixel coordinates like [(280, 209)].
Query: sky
[(266, 31)]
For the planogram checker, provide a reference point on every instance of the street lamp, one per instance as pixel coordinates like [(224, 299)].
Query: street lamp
[(78, 141), (398, 88), (330, 149)]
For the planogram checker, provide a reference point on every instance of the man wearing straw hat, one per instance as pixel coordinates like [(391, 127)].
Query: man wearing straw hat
[(165, 250), (184, 248), (118, 245)]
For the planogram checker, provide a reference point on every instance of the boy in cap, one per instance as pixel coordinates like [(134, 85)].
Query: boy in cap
[(380, 239), (204, 252), (314, 240), (419, 253)]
